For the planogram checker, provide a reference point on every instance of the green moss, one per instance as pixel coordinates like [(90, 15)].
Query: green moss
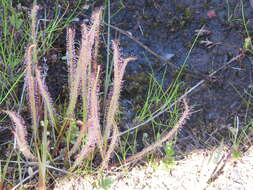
[(180, 8), (183, 22), (153, 25), (183, 18), (137, 87), (203, 21), (188, 13)]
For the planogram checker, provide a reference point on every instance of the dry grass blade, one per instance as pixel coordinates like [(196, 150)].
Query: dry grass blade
[(20, 134)]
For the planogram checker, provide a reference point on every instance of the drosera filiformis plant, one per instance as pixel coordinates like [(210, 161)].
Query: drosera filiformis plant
[(97, 136), (84, 83)]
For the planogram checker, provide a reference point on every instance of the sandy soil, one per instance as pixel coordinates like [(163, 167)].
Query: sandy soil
[(203, 170)]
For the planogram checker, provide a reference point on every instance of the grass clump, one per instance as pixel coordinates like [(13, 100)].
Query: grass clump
[(15, 34), (12, 46)]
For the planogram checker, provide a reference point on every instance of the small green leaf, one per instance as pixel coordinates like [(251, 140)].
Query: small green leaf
[(236, 154), (169, 160), (105, 183), (15, 21), (247, 44)]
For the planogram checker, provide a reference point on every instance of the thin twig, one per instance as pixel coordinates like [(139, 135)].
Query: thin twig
[(26, 179), (33, 174), (218, 170), (183, 96), (129, 35), (36, 171), (59, 170)]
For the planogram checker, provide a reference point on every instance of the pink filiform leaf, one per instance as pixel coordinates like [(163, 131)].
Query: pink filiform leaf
[(47, 100), (71, 56), (20, 134), (186, 114), (32, 89), (119, 69)]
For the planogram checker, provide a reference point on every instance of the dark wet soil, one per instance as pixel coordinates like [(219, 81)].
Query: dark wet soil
[(169, 27)]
